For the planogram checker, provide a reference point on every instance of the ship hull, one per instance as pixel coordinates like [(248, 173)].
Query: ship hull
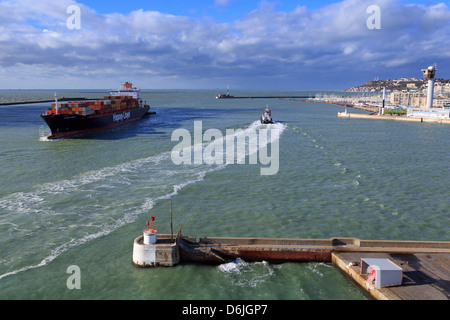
[(64, 125)]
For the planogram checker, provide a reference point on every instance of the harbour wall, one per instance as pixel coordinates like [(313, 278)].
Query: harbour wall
[(391, 118), (424, 265)]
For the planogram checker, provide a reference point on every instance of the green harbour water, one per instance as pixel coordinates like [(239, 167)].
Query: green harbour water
[(83, 201)]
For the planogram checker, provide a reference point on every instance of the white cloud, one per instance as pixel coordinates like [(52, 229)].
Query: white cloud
[(300, 46)]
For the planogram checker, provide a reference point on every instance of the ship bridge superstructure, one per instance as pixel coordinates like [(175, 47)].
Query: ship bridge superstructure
[(126, 89)]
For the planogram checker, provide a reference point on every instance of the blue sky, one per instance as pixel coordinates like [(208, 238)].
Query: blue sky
[(225, 10), (251, 44)]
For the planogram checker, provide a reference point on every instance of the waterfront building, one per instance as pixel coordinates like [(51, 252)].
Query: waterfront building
[(417, 99)]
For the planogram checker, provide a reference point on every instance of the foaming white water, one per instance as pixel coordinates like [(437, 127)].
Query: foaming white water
[(236, 146), (234, 266), (274, 130), (245, 274), (44, 139)]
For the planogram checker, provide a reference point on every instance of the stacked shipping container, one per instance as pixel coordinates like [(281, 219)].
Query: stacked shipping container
[(86, 108)]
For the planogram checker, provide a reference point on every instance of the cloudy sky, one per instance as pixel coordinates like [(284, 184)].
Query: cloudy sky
[(209, 44)]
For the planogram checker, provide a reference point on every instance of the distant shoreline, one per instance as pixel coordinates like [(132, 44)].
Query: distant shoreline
[(409, 84)]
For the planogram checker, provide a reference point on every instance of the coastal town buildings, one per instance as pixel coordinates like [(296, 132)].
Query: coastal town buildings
[(410, 92), (418, 99)]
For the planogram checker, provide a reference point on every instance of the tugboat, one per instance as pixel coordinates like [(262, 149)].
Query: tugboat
[(74, 118), (266, 116)]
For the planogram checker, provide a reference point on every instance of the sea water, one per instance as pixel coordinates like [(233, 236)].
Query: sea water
[(82, 201)]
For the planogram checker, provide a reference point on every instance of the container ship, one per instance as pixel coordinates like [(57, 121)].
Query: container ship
[(73, 118)]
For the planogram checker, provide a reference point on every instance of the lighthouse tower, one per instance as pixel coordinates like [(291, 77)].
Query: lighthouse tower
[(430, 74)]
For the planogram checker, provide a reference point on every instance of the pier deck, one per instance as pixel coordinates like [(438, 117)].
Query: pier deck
[(426, 276)]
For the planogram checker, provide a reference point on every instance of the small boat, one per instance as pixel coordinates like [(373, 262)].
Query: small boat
[(266, 116), (225, 95)]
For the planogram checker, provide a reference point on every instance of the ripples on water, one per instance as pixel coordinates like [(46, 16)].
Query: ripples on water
[(83, 201)]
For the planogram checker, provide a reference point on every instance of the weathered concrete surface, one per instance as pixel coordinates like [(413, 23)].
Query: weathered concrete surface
[(164, 253), (426, 276)]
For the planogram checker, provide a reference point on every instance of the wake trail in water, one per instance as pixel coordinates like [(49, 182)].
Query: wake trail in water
[(58, 216)]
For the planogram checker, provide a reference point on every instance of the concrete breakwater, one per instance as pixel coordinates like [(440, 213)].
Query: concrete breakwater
[(261, 97), (424, 265), (391, 117), (364, 107), (42, 101)]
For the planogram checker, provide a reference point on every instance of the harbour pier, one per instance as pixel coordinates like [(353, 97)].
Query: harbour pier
[(13, 103), (384, 270), (391, 117), (262, 97)]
